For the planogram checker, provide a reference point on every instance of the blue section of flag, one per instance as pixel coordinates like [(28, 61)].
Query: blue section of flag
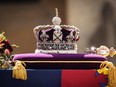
[(97, 73), (36, 78), (102, 84)]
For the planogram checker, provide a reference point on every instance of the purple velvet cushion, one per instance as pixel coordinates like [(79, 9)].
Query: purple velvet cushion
[(29, 57), (58, 57)]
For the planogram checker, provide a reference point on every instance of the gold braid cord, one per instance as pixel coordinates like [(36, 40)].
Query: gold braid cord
[(111, 73), (19, 71)]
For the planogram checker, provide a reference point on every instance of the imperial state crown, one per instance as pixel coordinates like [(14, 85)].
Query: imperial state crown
[(56, 38)]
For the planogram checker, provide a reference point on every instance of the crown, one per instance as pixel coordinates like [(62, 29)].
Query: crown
[(56, 38)]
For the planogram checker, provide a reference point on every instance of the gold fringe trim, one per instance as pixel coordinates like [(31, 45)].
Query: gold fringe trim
[(62, 61), (19, 71)]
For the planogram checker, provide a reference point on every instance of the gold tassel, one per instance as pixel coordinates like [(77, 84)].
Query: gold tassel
[(111, 73), (19, 71), (103, 70)]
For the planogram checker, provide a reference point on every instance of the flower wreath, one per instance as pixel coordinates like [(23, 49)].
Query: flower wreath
[(5, 52)]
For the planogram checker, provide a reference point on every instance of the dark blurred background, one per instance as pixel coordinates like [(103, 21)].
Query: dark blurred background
[(96, 20), (19, 17)]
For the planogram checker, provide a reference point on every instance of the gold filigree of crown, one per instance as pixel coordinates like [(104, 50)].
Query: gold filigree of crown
[(56, 38)]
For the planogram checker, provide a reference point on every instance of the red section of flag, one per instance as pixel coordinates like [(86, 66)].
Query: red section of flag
[(82, 78)]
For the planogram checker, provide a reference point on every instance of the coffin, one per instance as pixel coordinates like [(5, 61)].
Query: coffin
[(55, 78), (57, 70)]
